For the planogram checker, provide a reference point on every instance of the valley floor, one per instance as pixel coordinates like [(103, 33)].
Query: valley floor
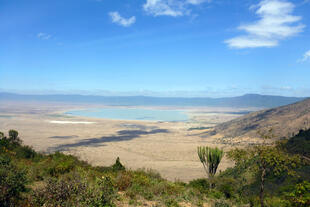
[(167, 147)]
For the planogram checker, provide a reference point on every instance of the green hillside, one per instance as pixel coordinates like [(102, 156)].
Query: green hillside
[(29, 178)]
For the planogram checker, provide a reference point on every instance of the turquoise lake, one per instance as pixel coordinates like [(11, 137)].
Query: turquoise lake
[(133, 114)]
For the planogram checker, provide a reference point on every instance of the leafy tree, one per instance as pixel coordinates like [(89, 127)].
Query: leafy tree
[(13, 136), (210, 159), (266, 159)]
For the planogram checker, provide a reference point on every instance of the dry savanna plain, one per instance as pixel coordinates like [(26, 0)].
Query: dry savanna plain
[(167, 147)]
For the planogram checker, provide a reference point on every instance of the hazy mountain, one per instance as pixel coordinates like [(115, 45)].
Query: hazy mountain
[(285, 121), (248, 100)]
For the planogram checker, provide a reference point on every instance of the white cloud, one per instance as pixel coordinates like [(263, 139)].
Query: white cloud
[(250, 42), (172, 8), (165, 8), (118, 19), (306, 56), (276, 23), (44, 36), (196, 2)]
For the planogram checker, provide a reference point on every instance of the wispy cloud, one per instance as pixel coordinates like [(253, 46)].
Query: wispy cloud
[(305, 57), (165, 8), (172, 8), (276, 23), (44, 36), (118, 19), (196, 2)]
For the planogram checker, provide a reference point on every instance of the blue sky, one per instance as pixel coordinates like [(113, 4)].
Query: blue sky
[(155, 47)]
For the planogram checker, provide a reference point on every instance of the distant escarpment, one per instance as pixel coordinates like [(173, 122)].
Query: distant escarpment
[(248, 100)]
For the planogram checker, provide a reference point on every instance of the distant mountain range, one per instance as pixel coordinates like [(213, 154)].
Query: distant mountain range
[(248, 100), (285, 122)]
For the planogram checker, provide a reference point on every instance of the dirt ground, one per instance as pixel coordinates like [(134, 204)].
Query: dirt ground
[(167, 147)]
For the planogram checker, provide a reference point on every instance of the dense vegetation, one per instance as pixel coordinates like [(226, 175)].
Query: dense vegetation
[(28, 178)]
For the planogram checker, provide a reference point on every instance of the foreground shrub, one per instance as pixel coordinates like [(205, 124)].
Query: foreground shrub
[(7, 144), (202, 185), (25, 152), (107, 193), (58, 164), (12, 182), (118, 165), (215, 194), (64, 192), (75, 191), (149, 185), (227, 186), (123, 180)]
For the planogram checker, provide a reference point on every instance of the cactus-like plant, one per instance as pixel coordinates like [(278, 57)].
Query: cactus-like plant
[(210, 158)]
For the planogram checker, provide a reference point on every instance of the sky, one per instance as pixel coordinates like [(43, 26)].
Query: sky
[(184, 48)]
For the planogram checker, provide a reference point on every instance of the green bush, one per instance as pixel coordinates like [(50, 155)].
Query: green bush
[(103, 194), (118, 165), (12, 182), (141, 178), (202, 185), (75, 190), (227, 186), (215, 194), (123, 180), (301, 195), (64, 192), (13, 144), (150, 186), (59, 164), (6, 144), (25, 152)]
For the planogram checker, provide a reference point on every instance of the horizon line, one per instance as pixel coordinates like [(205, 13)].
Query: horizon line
[(146, 96)]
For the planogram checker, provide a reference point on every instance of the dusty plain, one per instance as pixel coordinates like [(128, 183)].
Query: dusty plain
[(167, 147)]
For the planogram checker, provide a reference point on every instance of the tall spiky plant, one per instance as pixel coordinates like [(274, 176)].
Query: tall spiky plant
[(210, 159)]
